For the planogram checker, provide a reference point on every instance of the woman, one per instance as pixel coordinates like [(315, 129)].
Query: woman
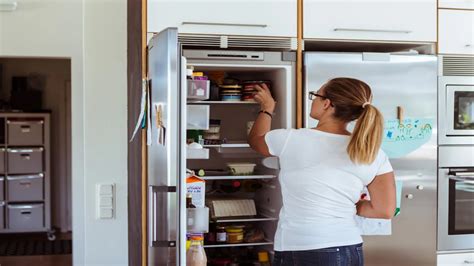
[(323, 172)]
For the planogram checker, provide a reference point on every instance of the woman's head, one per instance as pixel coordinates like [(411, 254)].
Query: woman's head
[(346, 100)]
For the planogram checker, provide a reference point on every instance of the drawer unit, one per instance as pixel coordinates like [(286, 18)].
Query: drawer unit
[(25, 188), (25, 132), (454, 259), (2, 214), (2, 160), (25, 216), (25, 160), (2, 188)]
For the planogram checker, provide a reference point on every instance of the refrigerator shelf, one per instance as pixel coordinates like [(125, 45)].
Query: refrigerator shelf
[(223, 102), (238, 177), (260, 218), (266, 243)]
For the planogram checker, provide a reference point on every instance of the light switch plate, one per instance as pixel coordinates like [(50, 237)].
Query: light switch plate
[(105, 201)]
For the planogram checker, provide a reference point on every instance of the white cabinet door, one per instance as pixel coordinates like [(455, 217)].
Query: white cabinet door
[(226, 17), (391, 20), (465, 4), (456, 32), (457, 259)]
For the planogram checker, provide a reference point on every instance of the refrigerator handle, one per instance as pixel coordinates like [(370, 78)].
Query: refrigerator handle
[(152, 224)]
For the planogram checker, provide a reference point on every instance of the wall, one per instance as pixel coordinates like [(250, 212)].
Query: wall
[(92, 33), (57, 74)]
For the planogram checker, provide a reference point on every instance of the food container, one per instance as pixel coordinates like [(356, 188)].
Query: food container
[(241, 168), (198, 89), (235, 234), (213, 136)]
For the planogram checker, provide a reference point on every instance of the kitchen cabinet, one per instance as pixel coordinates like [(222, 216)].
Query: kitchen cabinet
[(455, 259), (462, 4), (225, 17), (456, 32), (383, 20)]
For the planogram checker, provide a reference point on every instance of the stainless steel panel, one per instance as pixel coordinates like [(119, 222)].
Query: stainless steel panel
[(164, 159), (26, 217), (25, 188), (25, 161), (446, 136), (409, 81), (2, 160), (2, 188), (456, 156), (25, 132)]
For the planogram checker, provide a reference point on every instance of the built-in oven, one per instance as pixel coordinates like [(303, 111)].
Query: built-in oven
[(456, 100), (456, 198)]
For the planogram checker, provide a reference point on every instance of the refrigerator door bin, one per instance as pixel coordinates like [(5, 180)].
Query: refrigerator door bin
[(197, 153), (25, 188), (26, 217), (198, 117), (25, 161), (2, 185), (197, 220), (198, 89), (2, 160), (25, 132)]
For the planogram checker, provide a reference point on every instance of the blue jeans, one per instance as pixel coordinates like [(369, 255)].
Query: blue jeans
[(333, 256)]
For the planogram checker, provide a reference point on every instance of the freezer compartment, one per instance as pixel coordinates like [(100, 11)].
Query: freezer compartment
[(25, 161), (2, 188), (26, 216), (198, 89), (198, 117), (2, 215), (25, 188), (25, 132), (2, 160)]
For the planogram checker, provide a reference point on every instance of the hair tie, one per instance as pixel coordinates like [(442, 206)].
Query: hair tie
[(365, 104)]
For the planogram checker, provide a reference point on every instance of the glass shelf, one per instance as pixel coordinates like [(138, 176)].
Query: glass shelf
[(223, 102), (266, 243), (226, 177), (242, 220)]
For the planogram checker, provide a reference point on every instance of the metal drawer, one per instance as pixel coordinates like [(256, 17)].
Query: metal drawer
[(25, 188), (25, 132), (2, 188), (2, 215), (2, 160), (25, 217), (25, 161)]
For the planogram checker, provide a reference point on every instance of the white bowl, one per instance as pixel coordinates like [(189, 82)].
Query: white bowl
[(241, 168)]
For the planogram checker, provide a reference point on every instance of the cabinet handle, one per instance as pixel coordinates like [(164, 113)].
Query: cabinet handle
[(468, 262), (468, 45), (224, 24), (373, 30), (25, 212), (25, 157), (24, 183)]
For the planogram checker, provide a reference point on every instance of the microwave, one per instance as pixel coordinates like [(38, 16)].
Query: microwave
[(456, 104)]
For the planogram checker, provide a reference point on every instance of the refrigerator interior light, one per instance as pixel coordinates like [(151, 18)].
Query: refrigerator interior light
[(8, 5)]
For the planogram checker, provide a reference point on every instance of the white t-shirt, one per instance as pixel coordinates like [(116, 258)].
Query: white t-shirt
[(320, 186)]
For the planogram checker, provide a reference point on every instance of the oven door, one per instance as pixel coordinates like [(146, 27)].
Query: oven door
[(460, 110), (456, 209)]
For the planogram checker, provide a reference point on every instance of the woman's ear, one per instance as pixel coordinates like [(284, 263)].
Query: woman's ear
[(327, 104)]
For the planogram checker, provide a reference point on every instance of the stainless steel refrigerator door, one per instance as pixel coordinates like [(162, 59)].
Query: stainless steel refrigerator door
[(409, 81), (164, 159)]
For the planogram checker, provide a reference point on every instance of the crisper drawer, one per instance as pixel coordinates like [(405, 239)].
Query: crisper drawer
[(26, 216), (25, 132), (25, 188), (2, 214), (2, 188), (2, 160), (25, 161)]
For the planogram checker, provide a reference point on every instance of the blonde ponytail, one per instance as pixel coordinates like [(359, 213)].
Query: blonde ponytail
[(366, 137)]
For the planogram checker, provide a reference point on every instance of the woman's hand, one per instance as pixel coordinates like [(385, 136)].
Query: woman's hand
[(264, 98)]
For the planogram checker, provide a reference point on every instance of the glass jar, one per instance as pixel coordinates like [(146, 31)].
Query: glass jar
[(235, 234), (221, 234)]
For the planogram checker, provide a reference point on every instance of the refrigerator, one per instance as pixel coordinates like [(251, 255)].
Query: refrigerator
[(172, 113), (407, 81)]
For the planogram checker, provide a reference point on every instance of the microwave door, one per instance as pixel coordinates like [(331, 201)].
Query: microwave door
[(460, 110)]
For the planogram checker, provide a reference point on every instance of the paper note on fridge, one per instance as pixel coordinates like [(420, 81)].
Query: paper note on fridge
[(400, 139)]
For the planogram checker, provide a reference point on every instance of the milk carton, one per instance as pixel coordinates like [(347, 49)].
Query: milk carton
[(197, 187)]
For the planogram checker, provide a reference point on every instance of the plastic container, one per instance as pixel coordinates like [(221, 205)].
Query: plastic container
[(197, 220), (241, 168), (198, 117), (198, 89)]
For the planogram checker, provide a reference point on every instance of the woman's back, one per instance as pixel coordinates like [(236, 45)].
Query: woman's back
[(320, 187)]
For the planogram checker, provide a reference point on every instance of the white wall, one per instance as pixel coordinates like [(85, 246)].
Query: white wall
[(93, 34)]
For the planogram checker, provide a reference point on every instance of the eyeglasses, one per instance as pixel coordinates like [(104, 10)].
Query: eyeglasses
[(312, 95)]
